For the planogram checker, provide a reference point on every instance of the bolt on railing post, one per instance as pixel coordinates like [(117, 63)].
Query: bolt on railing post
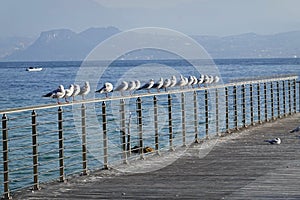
[(83, 135), (35, 151), (266, 102), (170, 123), (155, 109), (272, 101), (206, 114), (251, 105), (258, 103), (294, 96), (195, 116), (61, 145), (227, 110), (105, 140), (183, 119), (217, 111), (244, 105), (235, 107), (140, 126), (6, 194), (123, 130), (290, 97), (278, 99), (284, 98)]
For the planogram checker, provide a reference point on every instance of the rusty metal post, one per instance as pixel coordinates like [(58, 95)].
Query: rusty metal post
[(61, 145), (272, 101), (6, 193), (206, 114), (105, 140), (244, 105), (278, 99), (140, 126), (266, 102), (195, 116), (251, 105), (183, 120), (217, 111), (235, 107), (227, 110), (155, 109), (258, 104), (123, 130), (35, 151), (170, 123), (83, 136), (284, 98), (290, 97)]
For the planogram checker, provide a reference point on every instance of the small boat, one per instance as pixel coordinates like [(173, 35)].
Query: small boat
[(34, 69)]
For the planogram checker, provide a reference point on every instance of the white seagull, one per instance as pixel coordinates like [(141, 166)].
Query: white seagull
[(158, 84), (137, 84), (147, 86), (69, 92), (56, 94), (195, 81), (76, 91), (173, 81), (295, 129), (122, 87), (131, 86), (181, 83), (216, 79), (274, 141), (107, 87), (85, 89), (200, 80), (166, 84)]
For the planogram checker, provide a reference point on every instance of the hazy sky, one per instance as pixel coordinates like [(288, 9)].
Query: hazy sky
[(203, 17)]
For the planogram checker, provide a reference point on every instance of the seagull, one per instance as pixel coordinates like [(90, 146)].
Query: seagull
[(58, 93), (181, 83), (295, 129), (274, 141), (195, 81), (158, 84), (76, 91), (200, 80), (216, 79), (137, 84), (166, 83), (147, 86), (122, 87), (131, 86), (85, 89), (69, 92), (107, 87), (173, 81), (190, 81)]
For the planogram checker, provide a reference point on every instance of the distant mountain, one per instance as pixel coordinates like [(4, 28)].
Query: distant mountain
[(10, 45), (65, 45)]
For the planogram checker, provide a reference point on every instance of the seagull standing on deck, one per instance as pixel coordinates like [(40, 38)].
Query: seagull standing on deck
[(274, 141), (147, 86), (56, 94), (107, 87), (295, 129), (85, 89)]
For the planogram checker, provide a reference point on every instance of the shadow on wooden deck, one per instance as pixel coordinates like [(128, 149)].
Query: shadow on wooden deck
[(237, 166)]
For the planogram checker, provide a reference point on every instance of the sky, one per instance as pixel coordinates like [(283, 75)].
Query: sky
[(192, 17)]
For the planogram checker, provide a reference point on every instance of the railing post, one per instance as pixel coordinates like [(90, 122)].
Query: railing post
[(290, 97), (206, 114), (156, 123), (123, 130), (272, 101), (251, 105), (170, 123), (83, 135), (105, 140), (278, 100), (227, 110), (35, 151), (284, 98), (183, 119), (235, 107), (244, 105), (140, 126), (295, 96), (195, 116), (266, 102), (258, 103), (61, 145), (6, 194), (217, 112)]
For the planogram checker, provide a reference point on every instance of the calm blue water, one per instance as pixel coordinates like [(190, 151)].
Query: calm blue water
[(21, 88)]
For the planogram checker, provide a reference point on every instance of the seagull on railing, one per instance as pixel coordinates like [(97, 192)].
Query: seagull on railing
[(76, 91), (181, 82), (216, 79), (85, 89), (190, 81), (295, 129), (173, 81), (56, 94), (137, 84), (107, 87), (147, 86), (274, 141), (200, 80), (69, 92), (195, 81), (131, 86), (166, 84), (122, 87), (158, 84)]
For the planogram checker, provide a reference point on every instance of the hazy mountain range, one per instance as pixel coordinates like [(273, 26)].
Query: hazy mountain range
[(66, 45)]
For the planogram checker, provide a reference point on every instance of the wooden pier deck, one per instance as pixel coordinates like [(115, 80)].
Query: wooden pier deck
[(237, 166)]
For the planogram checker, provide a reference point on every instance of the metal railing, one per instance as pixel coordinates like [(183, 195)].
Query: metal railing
[(50, 142)]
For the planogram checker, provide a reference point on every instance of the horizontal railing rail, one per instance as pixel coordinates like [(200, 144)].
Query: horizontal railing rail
[(49, 142)]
